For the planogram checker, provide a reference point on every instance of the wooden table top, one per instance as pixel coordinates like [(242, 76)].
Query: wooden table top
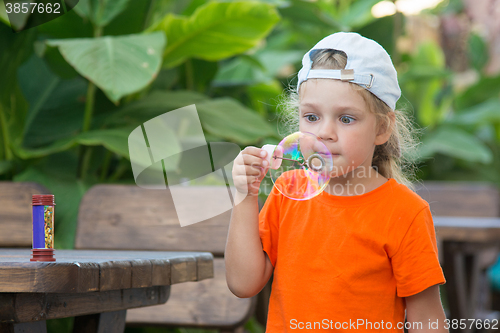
[(467, 229), (80, 271)]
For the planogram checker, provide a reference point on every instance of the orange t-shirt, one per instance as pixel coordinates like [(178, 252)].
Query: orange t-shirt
[(347, 262)]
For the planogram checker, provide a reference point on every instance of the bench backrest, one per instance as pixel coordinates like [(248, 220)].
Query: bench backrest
[(132, 218), (473, 199), (15, 213)]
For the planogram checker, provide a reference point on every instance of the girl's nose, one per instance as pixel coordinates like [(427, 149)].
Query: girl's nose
[(328, 132)]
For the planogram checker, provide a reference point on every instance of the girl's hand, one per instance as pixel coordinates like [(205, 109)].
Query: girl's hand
[(249, 168)]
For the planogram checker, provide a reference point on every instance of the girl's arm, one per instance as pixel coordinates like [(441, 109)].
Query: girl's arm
[(247, 266), (426, 308)]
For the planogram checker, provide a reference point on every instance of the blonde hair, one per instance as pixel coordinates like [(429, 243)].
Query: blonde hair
[(391, 159)]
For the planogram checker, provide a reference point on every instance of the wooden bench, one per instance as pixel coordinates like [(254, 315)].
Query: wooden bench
[(465, 259), (15, 213), (127, 217)]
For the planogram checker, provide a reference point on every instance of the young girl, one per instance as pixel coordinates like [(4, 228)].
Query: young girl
[(362, 252)]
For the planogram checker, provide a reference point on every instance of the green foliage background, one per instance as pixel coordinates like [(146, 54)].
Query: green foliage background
[(73, 89)]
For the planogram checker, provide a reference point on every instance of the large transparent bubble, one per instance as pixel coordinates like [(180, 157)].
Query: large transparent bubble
[(300, 166)]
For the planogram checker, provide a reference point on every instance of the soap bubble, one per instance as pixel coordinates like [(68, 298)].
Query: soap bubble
[(300, 166)]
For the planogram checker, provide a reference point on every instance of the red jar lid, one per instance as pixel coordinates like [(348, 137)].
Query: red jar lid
[(42, 200), (42, 255)]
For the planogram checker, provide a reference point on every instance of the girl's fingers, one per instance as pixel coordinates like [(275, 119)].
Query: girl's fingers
[(252, 159), (249, 169), (254, 151)]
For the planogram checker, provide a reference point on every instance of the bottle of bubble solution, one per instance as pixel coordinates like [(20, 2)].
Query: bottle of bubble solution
[(43, 227)]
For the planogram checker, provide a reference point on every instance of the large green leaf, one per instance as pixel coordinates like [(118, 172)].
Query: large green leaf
[(223, 118), (309, 12), (154, 104), (3, 16), (357, 15), (216, 30), (486, 88), (228, 119), (56, 106), (15, 49), (260, 68), (69, 25), (115, 140), (425, 84), (5, 166), (478, 51), (133, 20), (484, 113), (431, 109), (454, 142), (430, 54), (100, 12), (55, 147), (423, 73), (37, 83), (118, 65)]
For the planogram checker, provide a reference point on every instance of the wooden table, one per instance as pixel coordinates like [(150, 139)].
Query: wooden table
[(469, 246), (95, 287)]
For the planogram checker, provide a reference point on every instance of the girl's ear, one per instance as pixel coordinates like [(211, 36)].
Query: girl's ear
[(386, 128)]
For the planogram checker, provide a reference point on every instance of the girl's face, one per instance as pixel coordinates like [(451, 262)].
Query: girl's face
[(339, 116)]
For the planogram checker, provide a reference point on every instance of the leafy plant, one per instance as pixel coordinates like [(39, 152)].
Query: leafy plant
[(71, 98)]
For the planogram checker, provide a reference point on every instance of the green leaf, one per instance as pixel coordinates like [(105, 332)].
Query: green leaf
[(117, 65), (100, 12), (423, 73), (261, 68), (115, 140), (228, 119), (5, 166), (16, 48), (430, 54), (15, 20), (133, 19), (37, 83), (478, 51), (484, 113), (152, 105), (309, 12), (69, 25), (55, 147), (216, 30), (263, 96), (454, 142), (240, 71), (427, 111), (3, 16), (56, 106), (484, 89), (358, 14)]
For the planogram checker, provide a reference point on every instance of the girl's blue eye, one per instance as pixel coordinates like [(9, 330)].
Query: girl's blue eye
[(311, 117), (346, 119)]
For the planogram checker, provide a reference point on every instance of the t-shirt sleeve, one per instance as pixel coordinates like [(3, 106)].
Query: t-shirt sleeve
[(415, 264), (269, 225)]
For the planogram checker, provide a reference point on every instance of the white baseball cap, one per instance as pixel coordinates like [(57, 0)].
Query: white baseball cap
[(368, 65)]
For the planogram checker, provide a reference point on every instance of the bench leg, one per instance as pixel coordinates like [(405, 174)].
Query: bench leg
[(31, 327), (466, 281), (109, 322)]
